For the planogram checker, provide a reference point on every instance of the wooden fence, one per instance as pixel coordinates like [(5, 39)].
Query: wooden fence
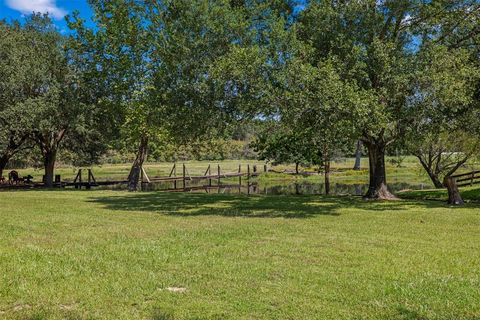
[(452, 183), (467, 179), (179, 181)]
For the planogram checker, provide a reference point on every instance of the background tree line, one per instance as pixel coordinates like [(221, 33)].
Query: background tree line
[(395, 75)]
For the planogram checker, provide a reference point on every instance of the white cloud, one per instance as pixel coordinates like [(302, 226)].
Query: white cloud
[(43, 6), (407, 20)]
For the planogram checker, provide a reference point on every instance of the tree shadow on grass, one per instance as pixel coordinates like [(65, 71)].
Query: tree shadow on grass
[(196, 204), (408, 314)]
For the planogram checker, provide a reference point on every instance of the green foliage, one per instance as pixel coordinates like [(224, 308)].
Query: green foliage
[(444, 127), (42, 95), (388, 48), (154, 64), (280, 146), (168, 73), (211, 149)]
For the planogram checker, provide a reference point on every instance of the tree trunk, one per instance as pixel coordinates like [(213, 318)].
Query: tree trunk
[(433, 176), (358, 155), (327, 177), (377, 188), (296, 167), (3, 163), (454, 196), (135, 171), (49, 142), (49, 159)]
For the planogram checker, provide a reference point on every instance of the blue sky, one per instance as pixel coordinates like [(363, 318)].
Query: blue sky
[(16, 9)]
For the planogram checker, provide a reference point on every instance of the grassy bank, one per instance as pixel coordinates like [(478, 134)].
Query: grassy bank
[(117, 255), (468, 194)]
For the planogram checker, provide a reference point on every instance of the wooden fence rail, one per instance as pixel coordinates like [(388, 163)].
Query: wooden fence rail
[(467, 179), (452, 183), (78, 182)]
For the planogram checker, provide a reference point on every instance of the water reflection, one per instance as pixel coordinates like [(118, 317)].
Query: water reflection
[(293, 188)]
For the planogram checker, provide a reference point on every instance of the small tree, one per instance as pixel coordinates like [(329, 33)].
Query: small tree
[(441, 154), (321, 107), (281, 145), (443, 134)]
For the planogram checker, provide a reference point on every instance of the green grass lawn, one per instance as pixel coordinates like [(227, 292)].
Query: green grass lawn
[(114, 255), (467, 193)]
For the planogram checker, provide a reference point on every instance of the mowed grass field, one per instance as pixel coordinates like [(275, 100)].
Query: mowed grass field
[(120, 255)]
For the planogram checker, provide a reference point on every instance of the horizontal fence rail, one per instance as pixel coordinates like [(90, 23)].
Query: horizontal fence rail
[(88, 180), (467, 179)]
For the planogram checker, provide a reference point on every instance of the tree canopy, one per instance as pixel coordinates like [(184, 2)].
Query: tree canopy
[(156, 73)]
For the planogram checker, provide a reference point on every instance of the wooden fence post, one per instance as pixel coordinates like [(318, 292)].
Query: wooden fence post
[(184, 177), (209, 175), (175, 175), (145, 175), (79, 179), (89, 179), (218, 172), (240, 175)]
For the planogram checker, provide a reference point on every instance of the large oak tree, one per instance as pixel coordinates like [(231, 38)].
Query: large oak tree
[(377, 44)]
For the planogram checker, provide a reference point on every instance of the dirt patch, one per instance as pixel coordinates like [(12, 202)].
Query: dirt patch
[(20, 307), (176, 289), (67, 307)]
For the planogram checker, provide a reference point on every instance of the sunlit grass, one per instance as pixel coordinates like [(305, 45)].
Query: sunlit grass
[(119, 255)]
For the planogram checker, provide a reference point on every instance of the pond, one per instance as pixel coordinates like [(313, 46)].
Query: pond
[(272, 188)]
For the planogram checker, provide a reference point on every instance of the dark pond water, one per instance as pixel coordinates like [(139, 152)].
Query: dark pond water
[(282, 188)]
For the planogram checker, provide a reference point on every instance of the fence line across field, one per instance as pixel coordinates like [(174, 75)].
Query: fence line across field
[(85, 178), (452, 183), (184, 178)]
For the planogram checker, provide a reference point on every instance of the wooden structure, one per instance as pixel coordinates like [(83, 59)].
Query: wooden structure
[(467, 179), (186, 177), (78, 183), (85, 179), (452, 183)]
